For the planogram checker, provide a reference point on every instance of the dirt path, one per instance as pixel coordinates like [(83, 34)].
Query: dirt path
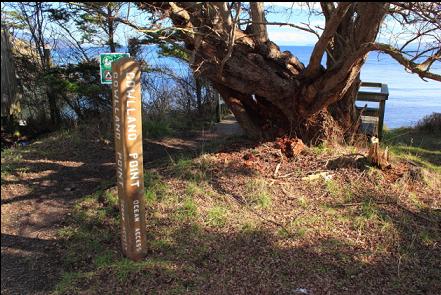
[(39, 188), (36, 196)]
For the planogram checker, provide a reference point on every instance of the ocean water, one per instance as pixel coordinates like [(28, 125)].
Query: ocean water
[(410, 98)]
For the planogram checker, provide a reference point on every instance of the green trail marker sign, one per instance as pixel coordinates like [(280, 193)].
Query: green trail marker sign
[(106, 60)]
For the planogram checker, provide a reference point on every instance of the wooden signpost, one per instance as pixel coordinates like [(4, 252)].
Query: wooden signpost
[(126, 97)]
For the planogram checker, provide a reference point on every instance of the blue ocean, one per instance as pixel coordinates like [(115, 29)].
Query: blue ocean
[(410, 98)]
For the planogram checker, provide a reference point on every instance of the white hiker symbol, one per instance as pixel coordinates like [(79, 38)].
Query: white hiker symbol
[(107, 62)]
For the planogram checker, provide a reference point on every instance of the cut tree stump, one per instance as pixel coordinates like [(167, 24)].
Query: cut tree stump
[(377, 157)]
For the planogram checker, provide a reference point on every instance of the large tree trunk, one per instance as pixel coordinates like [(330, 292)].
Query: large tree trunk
[(271, 92)]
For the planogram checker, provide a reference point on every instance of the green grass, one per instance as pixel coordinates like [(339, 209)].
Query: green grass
[(156, 128), (369, 210), (257, 193), (67, 282), (187, 169), (320, 149), (10, 160), (248, 226), (156, 190), (339, 191), (124, 267), (303, 202), (188, 210), (194, 234), (423, 148), (217, 216)]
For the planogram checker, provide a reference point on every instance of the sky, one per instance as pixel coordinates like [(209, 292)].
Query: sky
[(285, 12), (291, 12), (298, 13)]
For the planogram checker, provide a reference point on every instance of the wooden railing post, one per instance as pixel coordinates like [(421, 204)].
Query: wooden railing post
[(379, 97), (385, 92)]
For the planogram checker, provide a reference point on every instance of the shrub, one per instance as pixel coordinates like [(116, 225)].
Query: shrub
[(156, 128), (430, 123)]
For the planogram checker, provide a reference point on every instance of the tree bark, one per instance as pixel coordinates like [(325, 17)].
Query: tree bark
[(271, 92), (110, 28)]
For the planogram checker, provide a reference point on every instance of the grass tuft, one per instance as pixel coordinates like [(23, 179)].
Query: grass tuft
[(257, 193), (217, 216)]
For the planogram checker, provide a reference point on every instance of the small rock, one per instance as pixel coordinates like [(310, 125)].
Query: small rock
[(301, 291), (324, 175)]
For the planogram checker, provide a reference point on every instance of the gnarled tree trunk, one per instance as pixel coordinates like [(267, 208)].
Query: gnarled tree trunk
[(269, 91)]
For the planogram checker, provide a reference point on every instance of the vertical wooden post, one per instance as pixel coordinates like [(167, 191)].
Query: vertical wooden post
[(384, 97), (126, 97), (381, 119)]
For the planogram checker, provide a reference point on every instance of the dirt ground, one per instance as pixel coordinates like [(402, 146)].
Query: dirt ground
[(224, 217), (40, 184)]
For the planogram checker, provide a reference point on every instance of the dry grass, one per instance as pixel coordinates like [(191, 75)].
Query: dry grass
[(221, 223)]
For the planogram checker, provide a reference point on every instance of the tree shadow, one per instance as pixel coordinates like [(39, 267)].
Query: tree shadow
[(187, 258), (29, 265), (41, 188)]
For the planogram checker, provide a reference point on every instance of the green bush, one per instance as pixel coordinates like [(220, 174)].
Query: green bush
[(156, 128), (430, 123)]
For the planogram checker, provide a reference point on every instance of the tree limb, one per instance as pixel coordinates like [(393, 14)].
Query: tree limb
[(421, 69), (258, 27), (327, 35)]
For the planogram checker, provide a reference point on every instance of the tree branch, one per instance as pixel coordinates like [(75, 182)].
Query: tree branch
[(421, 69), (327, 35), (258, 27)]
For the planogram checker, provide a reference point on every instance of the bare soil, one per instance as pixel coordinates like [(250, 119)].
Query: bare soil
[(41, 183), (224, 217)]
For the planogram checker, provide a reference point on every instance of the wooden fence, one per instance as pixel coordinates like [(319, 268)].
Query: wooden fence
[(372, 118)]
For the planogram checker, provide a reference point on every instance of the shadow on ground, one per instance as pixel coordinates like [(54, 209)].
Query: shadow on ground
[(191, 259), (40, 184)]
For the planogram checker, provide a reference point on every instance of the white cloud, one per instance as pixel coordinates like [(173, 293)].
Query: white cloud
[(299, 14), (290, 36), (294, 5)]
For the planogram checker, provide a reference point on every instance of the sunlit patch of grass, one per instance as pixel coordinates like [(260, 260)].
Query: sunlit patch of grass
[(303, 202), (193, 189), (217, 216), (188, 210), (86, 233), (368, 214), (413, 154), (248, 226), (375, 173), (301, 231), (193, 170), (322, 148), (339, 191), (412, 197), (423, 148), (369, 210), (156, 190), (257, 193)]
